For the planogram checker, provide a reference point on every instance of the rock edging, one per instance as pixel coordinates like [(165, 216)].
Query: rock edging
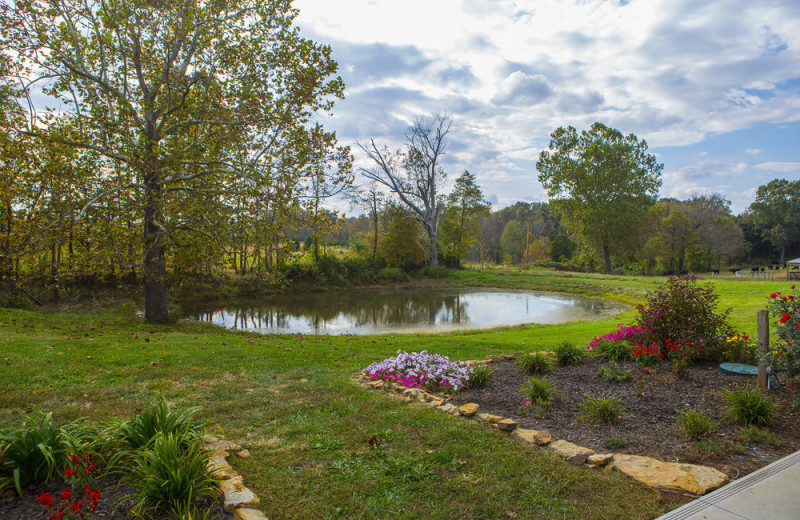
[(239, 499), (692, 478)]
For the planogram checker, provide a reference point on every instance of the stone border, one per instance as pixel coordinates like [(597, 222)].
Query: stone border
[(695, 479), (239, 500)]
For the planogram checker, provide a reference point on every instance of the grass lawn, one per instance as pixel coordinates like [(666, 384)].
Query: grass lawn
[(289, 400)]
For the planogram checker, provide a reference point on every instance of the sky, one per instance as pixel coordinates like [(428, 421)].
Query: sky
[(712, 86)]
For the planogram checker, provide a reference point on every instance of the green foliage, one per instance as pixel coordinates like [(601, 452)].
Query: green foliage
[(32, 453), (568, 354), (613, 350), (535, 362), (140, 431), (784, 353), (740, 348), (695, 424), (605, 409), (614, 373), (615, 443), (762, 435), (460, 221), (719, 447), (171, 473), (399, 245), (479, 375), (776, 212), (538, 390), (602, 184), (748, 406), (683, 310)]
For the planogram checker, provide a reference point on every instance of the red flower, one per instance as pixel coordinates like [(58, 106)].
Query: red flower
[(66, 495), (46, 500), (76, 507), (57, 516), (91, 466), (741, 440), (74, 459), (774, 295), (785, 317), (69, 473)]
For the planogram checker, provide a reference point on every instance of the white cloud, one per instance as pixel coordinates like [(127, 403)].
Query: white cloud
[(520, 90), (783, 167), (753, 151)]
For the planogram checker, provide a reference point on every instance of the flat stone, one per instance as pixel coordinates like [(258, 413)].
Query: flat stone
[(410, 392), (218, 452), (469, 409), (572, 452), (507, 424), (697, 480), (599, 459), (244, 454), (220, 468), (438, 401), (245, 513), (237, 495), (449, 408), (376, 385), (540, 438), (215, 443)]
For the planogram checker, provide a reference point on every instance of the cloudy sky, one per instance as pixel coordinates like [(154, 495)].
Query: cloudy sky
[(712, 85)]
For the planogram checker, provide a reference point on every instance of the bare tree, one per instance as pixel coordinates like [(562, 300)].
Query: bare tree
[(371, 198), (415, 175)]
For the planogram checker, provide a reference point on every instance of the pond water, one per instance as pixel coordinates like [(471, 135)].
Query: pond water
[(398, 311)]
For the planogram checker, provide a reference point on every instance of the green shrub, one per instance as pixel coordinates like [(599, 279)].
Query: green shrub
[(535, 362), (749, 406), (615, 443), (171, 474), (613, 350), (719, 447), (479, 375), (755, 434), (683, 310), (142, 429), (614, 373), (32, 453), (538, 390), (694, 424), (605, 409), (568, 354)]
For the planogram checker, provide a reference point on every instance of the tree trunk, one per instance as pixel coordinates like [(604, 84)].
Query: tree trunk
[(783, 254), (375, 237), (434, 260), (607, 259), (681, 259), (155, 268)]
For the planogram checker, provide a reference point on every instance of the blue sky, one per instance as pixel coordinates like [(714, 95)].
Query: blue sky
[(713, 86)]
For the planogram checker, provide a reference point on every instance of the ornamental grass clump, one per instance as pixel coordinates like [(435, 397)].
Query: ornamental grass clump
[(748, 406), (535, 362), (614, 374), (605, 409), (568, 354), (432, 372), (695, 424), (479, 375)]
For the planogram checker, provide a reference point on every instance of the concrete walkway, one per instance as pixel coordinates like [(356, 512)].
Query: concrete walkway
[(771, 493)]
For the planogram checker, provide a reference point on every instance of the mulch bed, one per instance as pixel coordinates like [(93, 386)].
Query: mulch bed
[(651, 403), (112, 505)]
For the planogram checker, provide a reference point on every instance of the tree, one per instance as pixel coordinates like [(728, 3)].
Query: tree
[(415, 175), (461, 222), (174, 100), (512, 241), (602, 184), (776, 213), (400, 245), (369, 197)]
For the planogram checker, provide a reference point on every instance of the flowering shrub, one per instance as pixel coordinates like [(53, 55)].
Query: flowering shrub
[(682, 310), (784, 353), (421, 370), (629, 333), (740, 348), (69, 504)]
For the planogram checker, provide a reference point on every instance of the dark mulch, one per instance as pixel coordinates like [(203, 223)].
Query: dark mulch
[(651, 402), (112, 506)]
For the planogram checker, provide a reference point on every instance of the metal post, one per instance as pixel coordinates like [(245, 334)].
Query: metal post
[(763, 345)]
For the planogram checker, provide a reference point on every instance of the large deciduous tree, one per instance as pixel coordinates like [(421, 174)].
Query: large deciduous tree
[(177, 101), (602, 183), (415, 174), (776, 213), (461, 220)]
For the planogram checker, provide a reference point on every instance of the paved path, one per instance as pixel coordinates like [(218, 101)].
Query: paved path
[(771, 493)]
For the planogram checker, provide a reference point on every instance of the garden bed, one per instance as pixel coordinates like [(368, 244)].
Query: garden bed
[(651, 402)]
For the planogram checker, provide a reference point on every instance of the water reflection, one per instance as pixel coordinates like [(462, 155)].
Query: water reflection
[(383, 311)]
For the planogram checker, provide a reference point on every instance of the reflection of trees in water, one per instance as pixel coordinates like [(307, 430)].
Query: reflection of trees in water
[(379, 308)]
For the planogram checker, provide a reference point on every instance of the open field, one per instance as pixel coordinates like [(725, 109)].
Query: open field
[(288, 398)]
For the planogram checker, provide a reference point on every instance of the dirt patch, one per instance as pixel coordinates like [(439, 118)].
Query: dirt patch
[(651, 403)]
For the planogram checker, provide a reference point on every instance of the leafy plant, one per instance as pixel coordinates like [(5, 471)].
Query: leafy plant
[(613, 350), (421, 370), (748, 406), (480, 374), (719, 447), (755, 434), (538, 390), (535, 362), (612, 372), (740, 348), (171, 473), (695, 424), (784, 353), (569, 354), (140, 431), (683, 310), (32, 453), (605, 409), (615, 443)]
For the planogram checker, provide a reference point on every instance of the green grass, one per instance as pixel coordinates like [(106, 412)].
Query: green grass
[(289, 400)]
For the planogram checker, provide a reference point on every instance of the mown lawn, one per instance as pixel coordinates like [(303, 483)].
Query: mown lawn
[(289, 400)]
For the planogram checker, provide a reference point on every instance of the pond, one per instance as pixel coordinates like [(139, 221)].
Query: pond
[(399, 311)]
